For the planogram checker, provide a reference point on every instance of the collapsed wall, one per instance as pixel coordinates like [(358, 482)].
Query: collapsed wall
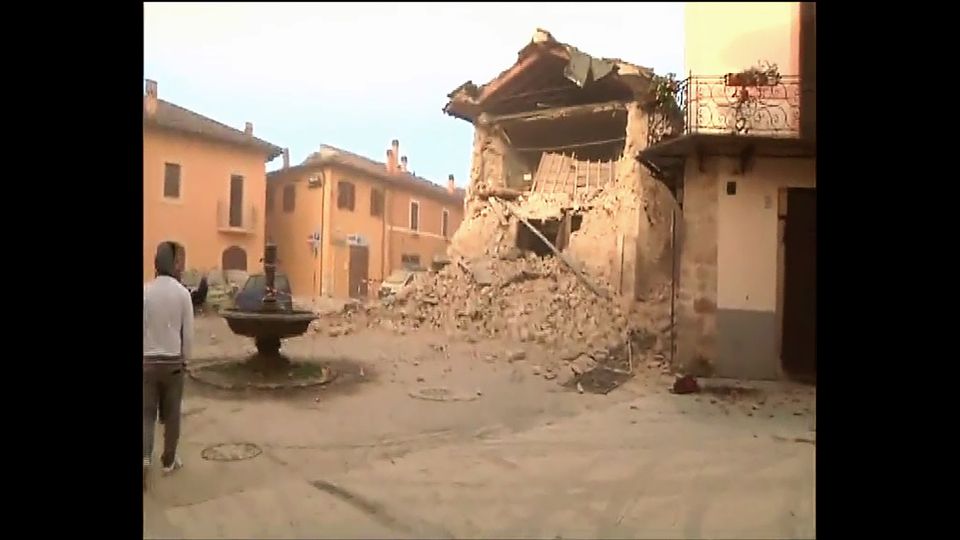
[(519, 298), (624, 234)]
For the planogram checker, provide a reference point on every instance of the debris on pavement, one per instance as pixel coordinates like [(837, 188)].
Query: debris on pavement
[(443, 394), (686, 384), (530, 299)]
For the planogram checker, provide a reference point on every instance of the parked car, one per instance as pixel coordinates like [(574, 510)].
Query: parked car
[(397, 281), (251, 294)]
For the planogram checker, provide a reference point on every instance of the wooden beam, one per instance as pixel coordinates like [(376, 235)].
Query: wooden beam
[(510, 75), (555, 113), (501, 192), (563, 258)]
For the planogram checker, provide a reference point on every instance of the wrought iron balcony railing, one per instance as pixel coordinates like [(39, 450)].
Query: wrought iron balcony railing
[(241, 220), (716, 105)]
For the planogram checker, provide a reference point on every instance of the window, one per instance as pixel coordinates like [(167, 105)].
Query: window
[(410, 260), (414, 216), (444, 222), (236, 200), (376, 202), (269, 201), (171, 180), (289, 197), (345, 194)]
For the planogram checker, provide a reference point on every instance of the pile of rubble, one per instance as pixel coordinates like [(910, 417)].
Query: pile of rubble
[(523, 298)]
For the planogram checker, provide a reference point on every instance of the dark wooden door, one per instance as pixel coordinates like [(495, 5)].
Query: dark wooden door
[(359, 263), (236, 201), (799, 343)]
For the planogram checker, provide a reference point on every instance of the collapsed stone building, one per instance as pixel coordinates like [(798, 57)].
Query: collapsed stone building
[(557, 135), (566, 239)]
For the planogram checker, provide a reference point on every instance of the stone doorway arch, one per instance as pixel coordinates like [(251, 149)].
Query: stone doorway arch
[(234, 258)]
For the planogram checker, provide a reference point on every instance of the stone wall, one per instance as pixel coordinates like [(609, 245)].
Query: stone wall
[(634, 224), (696, 321), (479, 225)]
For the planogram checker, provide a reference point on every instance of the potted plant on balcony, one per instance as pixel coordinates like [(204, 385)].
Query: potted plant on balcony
[(665, 89), (764, 74), (666, 114)]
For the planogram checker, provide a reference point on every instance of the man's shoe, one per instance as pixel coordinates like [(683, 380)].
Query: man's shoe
[(173, 467)]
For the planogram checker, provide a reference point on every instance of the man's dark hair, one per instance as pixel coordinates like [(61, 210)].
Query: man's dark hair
[(165, 261)]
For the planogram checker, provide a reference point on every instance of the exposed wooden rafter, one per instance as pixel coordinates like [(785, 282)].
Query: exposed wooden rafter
[(552, 114), (507, 77)]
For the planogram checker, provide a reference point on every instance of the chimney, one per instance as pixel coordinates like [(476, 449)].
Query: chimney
[(403, 163), (150, 103), (391, 161), (248, 129), (286, 158), (451, 185)]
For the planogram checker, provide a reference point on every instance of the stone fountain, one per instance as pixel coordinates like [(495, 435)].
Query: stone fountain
[(270, 322)]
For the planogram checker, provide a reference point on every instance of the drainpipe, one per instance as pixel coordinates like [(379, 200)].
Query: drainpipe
[(323, 234), (673, 288), (383, 237)]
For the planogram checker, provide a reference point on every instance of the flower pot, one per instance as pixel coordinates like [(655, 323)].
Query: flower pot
[(734, 79)]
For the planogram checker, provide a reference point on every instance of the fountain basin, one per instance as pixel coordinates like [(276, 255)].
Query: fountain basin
[(268, 324)]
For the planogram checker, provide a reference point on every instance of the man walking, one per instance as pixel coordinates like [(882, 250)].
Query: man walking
[(167, 340)]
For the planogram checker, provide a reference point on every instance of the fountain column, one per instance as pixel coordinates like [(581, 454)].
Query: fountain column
[(269, 322)]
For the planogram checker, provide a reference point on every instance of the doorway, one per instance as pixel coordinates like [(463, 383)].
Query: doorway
[(234, 258), (798, 344), (359, 263)]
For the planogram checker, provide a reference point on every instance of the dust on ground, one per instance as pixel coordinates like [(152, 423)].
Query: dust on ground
[(521, 426)]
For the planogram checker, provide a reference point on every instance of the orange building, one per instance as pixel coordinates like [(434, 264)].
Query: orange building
[(342, 222), (204, 185)]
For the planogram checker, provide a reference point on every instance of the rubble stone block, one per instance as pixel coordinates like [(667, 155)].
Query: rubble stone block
[(516, 354), (583, 364)]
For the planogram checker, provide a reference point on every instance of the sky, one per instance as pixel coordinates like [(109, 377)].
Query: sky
[(358, 75)]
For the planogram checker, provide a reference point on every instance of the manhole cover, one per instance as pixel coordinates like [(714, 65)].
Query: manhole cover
[(442, 394), (231, 452)]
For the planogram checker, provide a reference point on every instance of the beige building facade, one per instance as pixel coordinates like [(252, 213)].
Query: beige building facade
[(744, 167)]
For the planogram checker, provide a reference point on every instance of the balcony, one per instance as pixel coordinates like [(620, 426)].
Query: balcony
[(729, 115), (242, 222)]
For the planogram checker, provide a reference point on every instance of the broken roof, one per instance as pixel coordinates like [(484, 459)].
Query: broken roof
[(174, 117), (331, 155), (548, 74)]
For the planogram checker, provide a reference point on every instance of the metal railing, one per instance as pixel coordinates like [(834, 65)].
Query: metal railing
[(244, 221), (724, 105)]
